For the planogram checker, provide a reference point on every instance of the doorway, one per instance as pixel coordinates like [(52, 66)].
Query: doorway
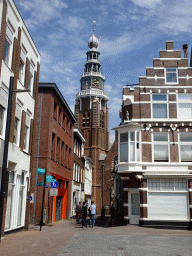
[(58, 208), (134, 207)]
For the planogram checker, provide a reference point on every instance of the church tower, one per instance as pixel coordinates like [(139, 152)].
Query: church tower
[(92, 116)]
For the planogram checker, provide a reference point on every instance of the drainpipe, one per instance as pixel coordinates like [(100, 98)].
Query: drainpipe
[(38, 145)]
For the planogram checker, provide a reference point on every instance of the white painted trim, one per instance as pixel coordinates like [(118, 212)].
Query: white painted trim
[(143, 189), (176, 220), (143, 205), (125, 189), (126, 218), (190, 189), (190, 206), (125, 204)]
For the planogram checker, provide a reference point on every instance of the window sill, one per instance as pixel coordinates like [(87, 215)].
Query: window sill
[(8, 67), (55, 118), (27, 153)]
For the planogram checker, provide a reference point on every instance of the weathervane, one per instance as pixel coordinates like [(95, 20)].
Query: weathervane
[(94, 25)]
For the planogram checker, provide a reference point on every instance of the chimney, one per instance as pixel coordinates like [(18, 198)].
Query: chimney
[(185, 46)]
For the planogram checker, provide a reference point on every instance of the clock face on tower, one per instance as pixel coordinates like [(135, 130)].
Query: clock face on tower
[(95, 82)]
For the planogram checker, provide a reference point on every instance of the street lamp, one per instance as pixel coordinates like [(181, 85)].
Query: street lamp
[(6, 146)]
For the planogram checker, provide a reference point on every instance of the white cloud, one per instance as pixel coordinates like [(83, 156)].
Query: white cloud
[(45, 61), (112, 138), (147, 3), (114, 105), (42, 11)]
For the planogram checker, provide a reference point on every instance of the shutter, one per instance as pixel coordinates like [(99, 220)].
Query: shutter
[(165, 205)]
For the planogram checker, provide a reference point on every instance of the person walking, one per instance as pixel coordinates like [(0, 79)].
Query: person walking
[(93, 212), (84, 215), (78, 211)]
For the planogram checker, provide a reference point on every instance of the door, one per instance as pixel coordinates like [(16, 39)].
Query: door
[(134, 208), (58, 208)]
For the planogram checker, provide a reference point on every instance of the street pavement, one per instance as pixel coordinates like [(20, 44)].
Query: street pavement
[(69, 239)]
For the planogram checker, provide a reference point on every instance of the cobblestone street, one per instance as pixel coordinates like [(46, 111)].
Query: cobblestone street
[(68, 238)]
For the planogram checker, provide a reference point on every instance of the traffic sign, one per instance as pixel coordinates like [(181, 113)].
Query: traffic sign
[(32, 198), (40, 171), (53, 192), (40, 183), (54, 184), (50, 178)]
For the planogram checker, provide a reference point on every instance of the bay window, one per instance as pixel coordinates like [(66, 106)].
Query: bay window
[(186, 146), (161, 147), (130, 146), (184, 109), (159, 106)]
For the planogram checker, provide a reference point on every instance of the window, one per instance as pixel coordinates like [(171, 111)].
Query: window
[(171, 75), (168, 184), (9, 200), (130, 146), (185, 146), (16, 126), (159, 105), (161, 147), (1, 119), (30, 81), (124, 147), (184, 105), (20, 179), (7, 51), (26, 137), (21, 71)]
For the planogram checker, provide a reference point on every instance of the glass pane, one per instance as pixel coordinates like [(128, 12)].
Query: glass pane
[(171, 70), (135, 204), (132, 136), (9, 206), (159, 110), (171, 75), (163, 136), (123, 137), (132, 151), (186, 136), (20, 201), (185, 110), (154, 184), (180, 185), (138, 136), (186, 153), (159, 97), (124, 152), (185, 97), (1, 119), (6, 52), (161, 153)]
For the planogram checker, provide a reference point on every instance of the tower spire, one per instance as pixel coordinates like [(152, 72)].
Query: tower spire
[(94, 26)]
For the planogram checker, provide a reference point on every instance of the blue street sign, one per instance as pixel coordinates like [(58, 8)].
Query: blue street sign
[(31, 198), (40, 171), (54, 184)]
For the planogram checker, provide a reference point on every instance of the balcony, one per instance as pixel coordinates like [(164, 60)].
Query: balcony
[(91, 73), (92, 92)]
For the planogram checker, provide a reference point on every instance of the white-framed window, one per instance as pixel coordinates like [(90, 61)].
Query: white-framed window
[(2, 111), (161, 147), (10, 192), (124, 147), (30, 82), (21, 70), (159, 106), (130, 146), (171, 76), (79, 150), (74, 171), (21, 183), (184, 108), (7, 50), (186, 146), (167, 184), (16, 128)]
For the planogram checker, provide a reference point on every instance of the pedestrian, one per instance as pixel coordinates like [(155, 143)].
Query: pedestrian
[(78, 211), (93, 212), (86, 203), (84, 215)]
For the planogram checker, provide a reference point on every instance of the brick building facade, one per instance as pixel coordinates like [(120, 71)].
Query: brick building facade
[(92, 114), (19, 58), (154, 143), (52, 150)]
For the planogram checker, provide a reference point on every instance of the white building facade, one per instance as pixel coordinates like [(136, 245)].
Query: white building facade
[(20, 58), (154, 144)]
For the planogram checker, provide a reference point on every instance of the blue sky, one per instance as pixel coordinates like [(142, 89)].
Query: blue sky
[(132, 33)]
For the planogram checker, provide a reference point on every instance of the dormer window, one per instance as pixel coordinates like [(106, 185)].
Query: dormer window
[(171, 75)]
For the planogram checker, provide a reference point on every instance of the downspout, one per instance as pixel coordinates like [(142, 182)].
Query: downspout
[(38, 146)]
